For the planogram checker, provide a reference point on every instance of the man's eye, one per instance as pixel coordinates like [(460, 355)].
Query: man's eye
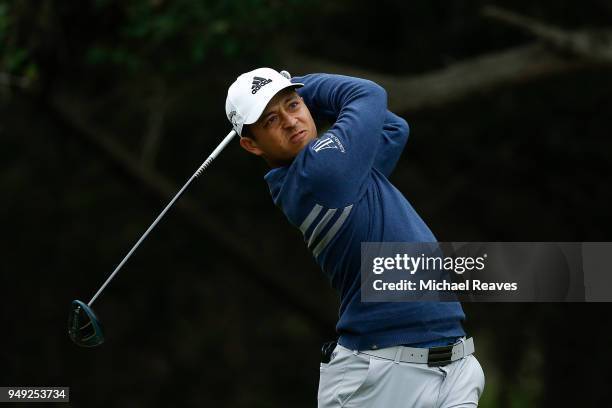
[(294, 104), (271, 120)]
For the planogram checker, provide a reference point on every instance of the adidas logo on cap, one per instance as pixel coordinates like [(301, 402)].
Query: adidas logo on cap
[(258, 82)]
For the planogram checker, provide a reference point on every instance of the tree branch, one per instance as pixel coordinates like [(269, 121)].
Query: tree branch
[(9, 80), (158, 105), (462, 79), (595, 45), (458, 81)]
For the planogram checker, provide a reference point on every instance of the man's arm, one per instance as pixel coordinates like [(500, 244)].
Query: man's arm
[(341, 160), (394, 136)]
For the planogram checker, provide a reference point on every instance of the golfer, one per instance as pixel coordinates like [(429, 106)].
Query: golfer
[(334, 187)]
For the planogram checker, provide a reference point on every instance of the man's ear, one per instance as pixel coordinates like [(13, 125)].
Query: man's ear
[(250, 146)]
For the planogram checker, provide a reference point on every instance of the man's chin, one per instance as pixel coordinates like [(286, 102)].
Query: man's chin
[(304, 143), (309, 138)]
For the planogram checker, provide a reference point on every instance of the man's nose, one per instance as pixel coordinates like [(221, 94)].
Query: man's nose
[(289, 121)]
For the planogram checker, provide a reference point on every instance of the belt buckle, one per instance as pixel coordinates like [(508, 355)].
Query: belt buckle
[(439, 356)]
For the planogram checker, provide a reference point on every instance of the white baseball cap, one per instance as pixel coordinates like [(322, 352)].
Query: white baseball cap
[(249, 95)]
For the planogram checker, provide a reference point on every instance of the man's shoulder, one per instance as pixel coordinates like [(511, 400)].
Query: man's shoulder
[(326, 142), (322, 166), (321, 157), (315, 175)]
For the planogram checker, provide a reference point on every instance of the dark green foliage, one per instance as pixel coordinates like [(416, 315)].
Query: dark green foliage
[(15, 58), (142, 37), (185, 325)]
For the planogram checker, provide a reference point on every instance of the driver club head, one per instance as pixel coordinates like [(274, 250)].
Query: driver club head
[(84, 328)]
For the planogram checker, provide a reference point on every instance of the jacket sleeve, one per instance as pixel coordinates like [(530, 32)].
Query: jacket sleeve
[(394, 136), (337, 165)]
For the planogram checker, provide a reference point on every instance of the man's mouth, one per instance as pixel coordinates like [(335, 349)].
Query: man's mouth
[(298, 137)]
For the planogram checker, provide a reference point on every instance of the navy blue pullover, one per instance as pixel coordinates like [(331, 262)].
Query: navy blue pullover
[(336, 191)]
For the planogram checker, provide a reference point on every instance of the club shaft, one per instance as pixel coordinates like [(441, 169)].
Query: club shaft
[(204, 165)]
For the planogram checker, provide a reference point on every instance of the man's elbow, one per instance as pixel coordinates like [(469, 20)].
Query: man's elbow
[(377, 91), (403, 128)]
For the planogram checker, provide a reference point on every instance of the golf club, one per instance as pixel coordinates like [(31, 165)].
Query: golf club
[(84, 328)]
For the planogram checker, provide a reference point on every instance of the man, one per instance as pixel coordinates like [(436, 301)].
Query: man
[(335, 189)]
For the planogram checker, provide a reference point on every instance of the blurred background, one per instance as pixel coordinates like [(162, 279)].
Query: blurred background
[(107, 107)]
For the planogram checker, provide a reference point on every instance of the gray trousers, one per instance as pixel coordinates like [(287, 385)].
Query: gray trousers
[(353, 379)]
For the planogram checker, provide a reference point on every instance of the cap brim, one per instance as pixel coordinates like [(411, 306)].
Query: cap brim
[(261, 105)]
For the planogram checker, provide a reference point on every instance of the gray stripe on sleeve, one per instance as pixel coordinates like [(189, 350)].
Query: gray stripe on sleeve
[(324, 220), (310, 218), (332, 231)]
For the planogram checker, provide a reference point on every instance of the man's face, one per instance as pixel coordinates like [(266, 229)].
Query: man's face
[(283, 129)]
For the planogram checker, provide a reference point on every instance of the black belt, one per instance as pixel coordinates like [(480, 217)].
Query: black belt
[(433, 356)]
